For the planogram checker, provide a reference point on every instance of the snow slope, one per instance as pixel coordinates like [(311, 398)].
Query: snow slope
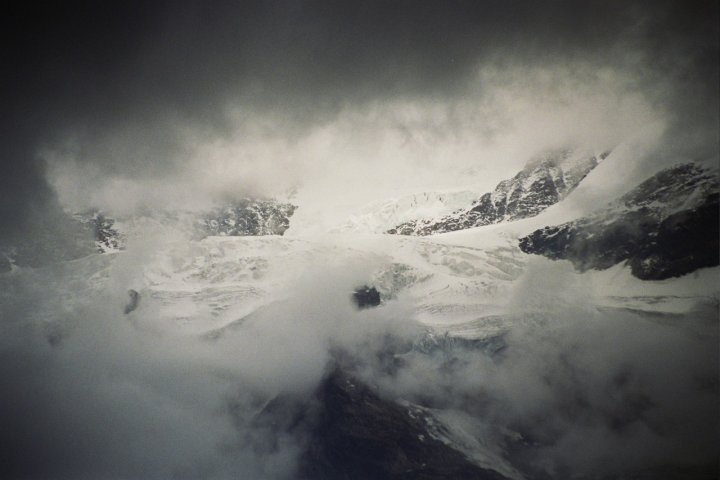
[(453, 288), (474, 283), (378, 217)]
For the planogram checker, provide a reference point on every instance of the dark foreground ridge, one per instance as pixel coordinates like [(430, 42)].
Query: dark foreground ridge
[(666, 227), (360, 436)]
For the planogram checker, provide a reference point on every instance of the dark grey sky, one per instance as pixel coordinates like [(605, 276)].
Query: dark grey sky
[(94, 78)]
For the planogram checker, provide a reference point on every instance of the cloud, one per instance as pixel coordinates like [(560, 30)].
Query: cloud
[(91, 392), (594, 393), (134, 90), (379, 149), (138, 104)]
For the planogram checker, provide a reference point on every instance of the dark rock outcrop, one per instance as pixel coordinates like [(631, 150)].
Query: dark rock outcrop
[(244, 217), (248, 216), (665, 227), (133, 301), (358, 435), (366, 297), (544, 181), (107, 238)]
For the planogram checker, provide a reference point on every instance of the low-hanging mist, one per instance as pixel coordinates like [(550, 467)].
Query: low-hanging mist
[(92, 392)]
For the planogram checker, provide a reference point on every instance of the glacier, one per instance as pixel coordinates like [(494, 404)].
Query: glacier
[(246, 355)]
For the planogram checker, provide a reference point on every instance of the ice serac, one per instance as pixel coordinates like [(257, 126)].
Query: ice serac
[(545, 180), (665, 227)]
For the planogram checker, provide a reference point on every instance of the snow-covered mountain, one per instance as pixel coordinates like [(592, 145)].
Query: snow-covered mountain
[(665, 227), (63, 237), (544, 181), (248, 216), (450, 306), (470, 357), (378, 217), (243, 217)]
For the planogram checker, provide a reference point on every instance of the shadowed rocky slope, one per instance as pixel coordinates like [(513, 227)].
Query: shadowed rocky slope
[(665, 227)]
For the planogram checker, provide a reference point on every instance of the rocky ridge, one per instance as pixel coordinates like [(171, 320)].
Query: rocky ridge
[(665, 227), (243, 217), (380, 216), (360, 435), (545, 180), (68, 237), (247, 216), (107, 237)]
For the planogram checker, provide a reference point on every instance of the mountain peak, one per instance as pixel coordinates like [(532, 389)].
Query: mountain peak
[(546, 179)]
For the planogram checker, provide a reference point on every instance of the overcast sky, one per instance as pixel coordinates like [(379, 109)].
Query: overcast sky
[(178, 103), (159, 103)]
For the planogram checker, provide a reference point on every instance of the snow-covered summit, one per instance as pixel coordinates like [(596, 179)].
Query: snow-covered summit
[(545, 180), (380, 216)]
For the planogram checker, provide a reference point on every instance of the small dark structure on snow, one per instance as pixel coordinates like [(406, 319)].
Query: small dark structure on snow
[(366, 297), (133, 302)]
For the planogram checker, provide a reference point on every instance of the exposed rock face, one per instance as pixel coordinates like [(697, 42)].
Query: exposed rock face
[(361, 436), (248, 216), (66, 237), (544, 181), (365, 297), (665, 227), (107, 238)]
